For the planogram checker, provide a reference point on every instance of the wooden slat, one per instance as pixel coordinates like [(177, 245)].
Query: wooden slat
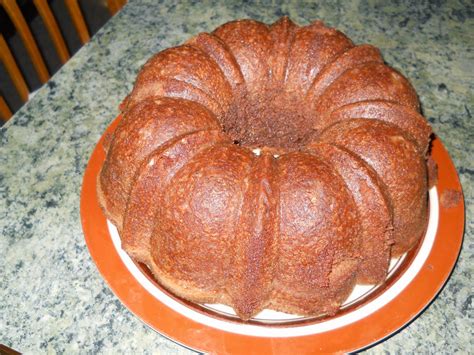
[(53, 29), (7, 350), (5, 112), (9, 62), (21, 26), (115, 5), (78, 20)]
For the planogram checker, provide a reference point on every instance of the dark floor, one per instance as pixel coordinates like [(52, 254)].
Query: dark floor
[(96, 15)]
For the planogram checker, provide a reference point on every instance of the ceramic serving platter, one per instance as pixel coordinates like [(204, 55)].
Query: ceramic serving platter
[(370, 314)]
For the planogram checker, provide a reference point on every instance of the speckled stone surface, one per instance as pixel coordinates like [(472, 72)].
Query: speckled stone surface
[(52, 298)]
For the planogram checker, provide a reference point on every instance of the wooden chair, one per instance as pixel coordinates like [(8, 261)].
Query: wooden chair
[(115, 5), (14, 12)]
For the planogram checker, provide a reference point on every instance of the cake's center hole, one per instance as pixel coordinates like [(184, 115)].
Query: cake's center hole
[(272, 119)]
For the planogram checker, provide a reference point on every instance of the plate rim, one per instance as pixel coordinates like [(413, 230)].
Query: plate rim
[(394, 316)]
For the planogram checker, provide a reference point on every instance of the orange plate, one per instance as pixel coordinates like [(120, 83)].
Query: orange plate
[(361, 333)]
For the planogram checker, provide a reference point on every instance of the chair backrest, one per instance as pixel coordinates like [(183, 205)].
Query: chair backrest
[(115, 5), (14, 13)]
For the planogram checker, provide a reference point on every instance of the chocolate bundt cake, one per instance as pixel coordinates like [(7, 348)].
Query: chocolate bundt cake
[(268, 166)]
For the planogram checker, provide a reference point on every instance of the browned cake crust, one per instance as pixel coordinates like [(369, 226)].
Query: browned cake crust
[(395, 158), (373, 207), (337, 187)]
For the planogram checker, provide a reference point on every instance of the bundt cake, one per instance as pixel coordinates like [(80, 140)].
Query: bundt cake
[(268, 166)]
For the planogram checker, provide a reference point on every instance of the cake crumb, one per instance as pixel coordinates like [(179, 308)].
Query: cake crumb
[(450, 198)]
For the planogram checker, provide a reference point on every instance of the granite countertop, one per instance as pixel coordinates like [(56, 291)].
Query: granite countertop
[(53, 299)]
